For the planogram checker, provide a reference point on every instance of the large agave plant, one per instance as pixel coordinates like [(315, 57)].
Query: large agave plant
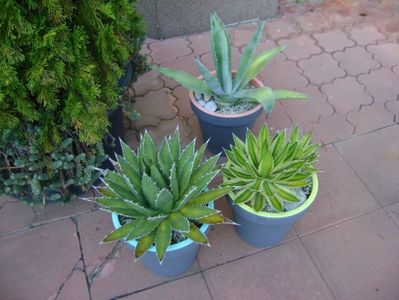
[(265, 170), (161, 191), (225, 88)]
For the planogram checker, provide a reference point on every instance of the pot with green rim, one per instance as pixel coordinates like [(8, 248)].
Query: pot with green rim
[(264, 229), (274, 183)]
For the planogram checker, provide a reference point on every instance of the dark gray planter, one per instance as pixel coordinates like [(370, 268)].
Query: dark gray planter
[(262, 229), (220, 128), (179, 257)]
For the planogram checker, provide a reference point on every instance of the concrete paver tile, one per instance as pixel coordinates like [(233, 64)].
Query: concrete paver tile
[(393, 212), (358, 258), (371, 117), (386, 54), (346, 94), (192, 287), (93, 227), (366, 34), (183, 63), (201, 42), (35, 263), (300, 47), (307, 111), (356, 60), (393, 107), (313, 21), (377, 151), (330, 129), (14, 216), (169, 49), (337, 184), (280, 28), (183, 101), (75, 287), (283, 272), (321, 69), (121, 276), (283, 75), (334, 40), (149, 81), (382, 84)]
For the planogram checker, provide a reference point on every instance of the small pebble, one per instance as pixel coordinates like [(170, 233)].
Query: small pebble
[(202, 103), (206, 98), (197, 97), (211, 106)]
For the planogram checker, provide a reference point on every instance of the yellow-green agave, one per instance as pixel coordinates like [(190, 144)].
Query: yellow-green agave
[(161, 190), (265, 170)]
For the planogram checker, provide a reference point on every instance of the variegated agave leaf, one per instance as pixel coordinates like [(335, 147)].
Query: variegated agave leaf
[(161, 190), (226, 88), (265, 169)]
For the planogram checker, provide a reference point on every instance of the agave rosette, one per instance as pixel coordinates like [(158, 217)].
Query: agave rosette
[(224, 87), (265, 170), (161, 191)]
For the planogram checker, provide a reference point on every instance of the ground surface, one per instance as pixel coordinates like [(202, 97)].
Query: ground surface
[(346, 56)]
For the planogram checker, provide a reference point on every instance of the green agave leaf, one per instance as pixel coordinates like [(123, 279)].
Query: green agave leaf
[(285, 95), (261, 95), (174, 146), (143, 227), (279, 142), (215, 219), (121, 232), (165, 158), (183, 201), (209, 196), (150, 190), (285, 194), (162, 240), (244, 196), (259, 202), (275, 203), (164, 201), (247, 58), (157, 177), (204, 169), (123, 192), (259, 63), (252, 149), (144, 244), (131, 213), (185, 175), (174, 182), (221, 51), (210, 79), (194, 212), (130, 156), (149, 149), (196, 235), (266, 162), (130, 172), (203, 182), (178, 222), (185, 79), (199, 155)]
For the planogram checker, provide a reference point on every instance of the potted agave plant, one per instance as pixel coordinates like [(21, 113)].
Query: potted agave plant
[(228, 102), (274, 183), (160, 203)]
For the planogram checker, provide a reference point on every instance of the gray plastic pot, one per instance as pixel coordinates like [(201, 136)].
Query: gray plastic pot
[(219, 128), (264, 229), (179, 257)]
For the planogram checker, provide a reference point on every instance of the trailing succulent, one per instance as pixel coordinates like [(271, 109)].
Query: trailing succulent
[(161, 191), (266, 170), (35, 176), (226, 88)]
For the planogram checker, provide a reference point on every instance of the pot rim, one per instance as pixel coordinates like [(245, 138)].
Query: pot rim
[(255, 81), (174, 247), (290, 213)]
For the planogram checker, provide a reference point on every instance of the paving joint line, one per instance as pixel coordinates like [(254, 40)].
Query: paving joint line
[(67, 278), (82, 256)]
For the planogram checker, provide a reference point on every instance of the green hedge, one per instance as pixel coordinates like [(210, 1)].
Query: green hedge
[(60, 61)]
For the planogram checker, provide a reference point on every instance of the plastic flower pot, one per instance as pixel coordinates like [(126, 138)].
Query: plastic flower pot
[(265, 229), (219, 128), (179, 257)]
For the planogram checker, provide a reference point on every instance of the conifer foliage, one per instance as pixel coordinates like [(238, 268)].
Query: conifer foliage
[(60, 61)]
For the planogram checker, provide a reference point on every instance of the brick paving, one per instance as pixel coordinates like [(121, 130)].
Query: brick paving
[(345, 55)]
